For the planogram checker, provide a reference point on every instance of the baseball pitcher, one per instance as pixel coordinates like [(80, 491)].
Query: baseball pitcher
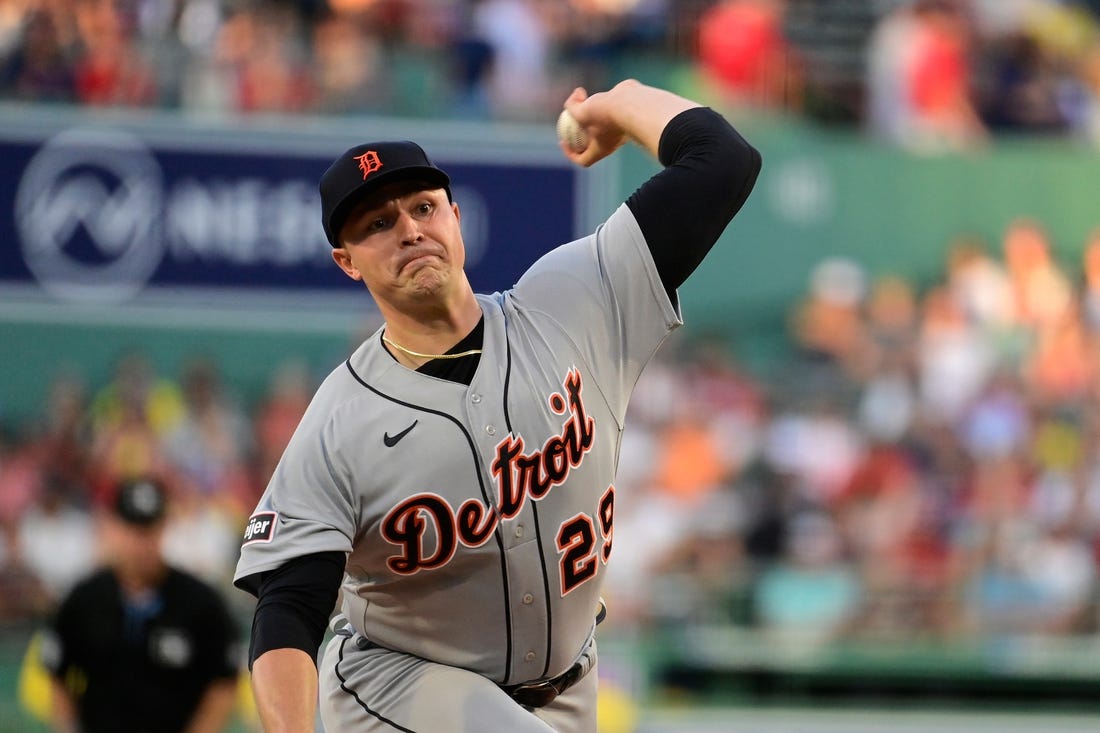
[(452, 482)]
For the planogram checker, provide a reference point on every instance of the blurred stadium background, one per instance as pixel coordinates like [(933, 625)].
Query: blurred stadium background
[(860, 491)]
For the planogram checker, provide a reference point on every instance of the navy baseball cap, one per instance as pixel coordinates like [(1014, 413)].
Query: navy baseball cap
[(366, 168), (141, 502)]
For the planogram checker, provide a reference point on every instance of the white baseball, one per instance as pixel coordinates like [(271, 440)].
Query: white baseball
[(571, 133)]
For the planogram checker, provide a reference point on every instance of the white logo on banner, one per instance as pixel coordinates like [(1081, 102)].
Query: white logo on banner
[(107, 184), (96, 219)]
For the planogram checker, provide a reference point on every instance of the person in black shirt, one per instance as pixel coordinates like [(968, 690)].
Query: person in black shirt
[(140, 646)]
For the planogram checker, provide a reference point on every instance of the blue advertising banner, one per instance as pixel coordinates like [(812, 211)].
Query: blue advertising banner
[(98, 213)]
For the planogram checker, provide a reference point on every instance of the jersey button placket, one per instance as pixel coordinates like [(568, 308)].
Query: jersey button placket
[(490, 430)]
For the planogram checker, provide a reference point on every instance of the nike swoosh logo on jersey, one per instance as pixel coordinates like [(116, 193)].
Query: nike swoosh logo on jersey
[(391, 441)]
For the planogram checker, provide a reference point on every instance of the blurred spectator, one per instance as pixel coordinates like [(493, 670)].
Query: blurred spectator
[(818, 446), (701, 573), (56, 540), (347, 68), (649, 531), (1035, 59), (891, 314), (1058, 494), (20, 477), (25, 582), (889, 55), (954, 358), (65, 437), (690, 464), (1061, 565), (206, 78), (1063, 363), (891, 522), (202, 535), (207, 448), (1022, 88), (980, 286), (744, 54), (278, 414), (812, 594), (827, 325), (40, 66), (260, 52), (919, 78), (1042, 291), (887, 401), (1088, 123), (23, 596), (1026, 581), (136, 385), (996, 424), (111, 69), (471, 63), (999, 597), (518, 83), (131, 417), (939, 80), (887, 405), (1090, 296)]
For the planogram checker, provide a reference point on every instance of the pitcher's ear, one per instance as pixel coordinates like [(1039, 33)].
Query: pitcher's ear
[(343, 260)]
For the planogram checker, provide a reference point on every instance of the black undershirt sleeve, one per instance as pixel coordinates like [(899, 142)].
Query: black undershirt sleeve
[(682, 210), (295, 602)]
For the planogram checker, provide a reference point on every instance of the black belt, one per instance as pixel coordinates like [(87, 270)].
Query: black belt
[(529, 694), (541, 694)]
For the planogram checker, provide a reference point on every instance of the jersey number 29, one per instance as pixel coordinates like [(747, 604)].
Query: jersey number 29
[(577, 543)]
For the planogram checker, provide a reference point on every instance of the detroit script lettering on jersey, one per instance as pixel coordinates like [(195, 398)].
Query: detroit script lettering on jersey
[(518, 475)]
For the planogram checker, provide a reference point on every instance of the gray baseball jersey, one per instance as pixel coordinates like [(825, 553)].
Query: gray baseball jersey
[(477, 520)]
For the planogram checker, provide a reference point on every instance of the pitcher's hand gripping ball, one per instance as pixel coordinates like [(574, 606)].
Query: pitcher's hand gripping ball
[(571, 133)]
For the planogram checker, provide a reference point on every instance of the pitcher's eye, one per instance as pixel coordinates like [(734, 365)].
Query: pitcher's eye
[(424, 207)]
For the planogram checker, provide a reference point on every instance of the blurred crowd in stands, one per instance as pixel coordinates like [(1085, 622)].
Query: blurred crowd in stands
[(58, 473), (925, 464), (925, 74)]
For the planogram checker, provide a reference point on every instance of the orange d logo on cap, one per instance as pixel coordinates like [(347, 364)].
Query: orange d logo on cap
[(369, 162), (360, 170)]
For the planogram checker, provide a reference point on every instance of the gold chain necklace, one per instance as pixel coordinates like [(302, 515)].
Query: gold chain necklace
[(410, 352)]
